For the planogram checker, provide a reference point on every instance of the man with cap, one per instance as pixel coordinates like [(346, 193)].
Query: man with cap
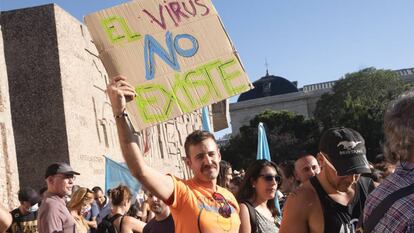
[(333, 200), (53, 215), (24, 217)]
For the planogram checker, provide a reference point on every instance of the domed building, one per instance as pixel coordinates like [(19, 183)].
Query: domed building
[(269, 85), (275, 93)]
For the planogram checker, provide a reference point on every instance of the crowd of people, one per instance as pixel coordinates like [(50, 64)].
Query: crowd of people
[(336, 190)]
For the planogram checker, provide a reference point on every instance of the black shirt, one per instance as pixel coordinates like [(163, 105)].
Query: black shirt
[(164, 226), (339, 218), (23, 223)]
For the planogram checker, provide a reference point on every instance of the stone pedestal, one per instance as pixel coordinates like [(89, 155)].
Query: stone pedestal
[(9, 178), (59, 106)]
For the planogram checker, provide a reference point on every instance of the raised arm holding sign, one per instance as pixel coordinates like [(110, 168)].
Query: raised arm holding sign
[(178, 58), (197, 204)]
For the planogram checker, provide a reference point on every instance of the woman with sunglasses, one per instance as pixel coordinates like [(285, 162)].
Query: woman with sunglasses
[(120, 198), (257, 193), (79, 204)]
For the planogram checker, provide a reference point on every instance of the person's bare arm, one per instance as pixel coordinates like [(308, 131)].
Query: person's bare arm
[(5, 219), (161, 185), (93, 223), (295, 214), (245, 226)]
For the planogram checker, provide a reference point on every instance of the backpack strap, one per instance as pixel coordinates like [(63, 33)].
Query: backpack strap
[(378, 212), (252, 214), (115, 217), (120, 224)]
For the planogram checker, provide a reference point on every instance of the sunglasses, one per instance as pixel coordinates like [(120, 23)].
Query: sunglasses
[(270, 178), (225, 208)]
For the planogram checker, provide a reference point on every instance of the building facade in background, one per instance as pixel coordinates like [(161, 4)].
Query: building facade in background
[(59, 108), (277, 93)]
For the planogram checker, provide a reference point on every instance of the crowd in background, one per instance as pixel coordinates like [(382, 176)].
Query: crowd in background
[(336, 190)]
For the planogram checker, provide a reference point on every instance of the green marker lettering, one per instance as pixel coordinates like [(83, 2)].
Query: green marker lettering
[(181, 85), (116, 34), (201, 78), (144, 102), (228, 77)]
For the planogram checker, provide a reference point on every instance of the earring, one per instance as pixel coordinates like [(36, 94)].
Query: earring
[(253, 186)]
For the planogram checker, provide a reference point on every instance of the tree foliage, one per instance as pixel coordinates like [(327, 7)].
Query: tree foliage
[(288, 135), (358, 101)]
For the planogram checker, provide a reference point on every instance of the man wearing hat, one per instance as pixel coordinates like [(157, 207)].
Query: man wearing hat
[(333, 200), (24, 217), (53, 215)]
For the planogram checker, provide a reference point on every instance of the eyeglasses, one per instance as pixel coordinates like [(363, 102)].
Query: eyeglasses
[(66, 176), (270, 178), (225, 208)]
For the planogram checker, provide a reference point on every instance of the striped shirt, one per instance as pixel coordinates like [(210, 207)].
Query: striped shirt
[(401, 214)]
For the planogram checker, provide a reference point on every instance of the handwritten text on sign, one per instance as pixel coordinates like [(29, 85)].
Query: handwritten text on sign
[(177, 53)]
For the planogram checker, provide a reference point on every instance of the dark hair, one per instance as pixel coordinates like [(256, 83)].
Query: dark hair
[(247, 191), (96, 189), (108, 192), (42, 190), (120, 194), (288, 168), (236, 181), (133, 210), (221, 178), (196, 137), (28, 194)]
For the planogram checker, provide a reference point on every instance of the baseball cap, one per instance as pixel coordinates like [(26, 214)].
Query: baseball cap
[(346, 151), (30, 195), (60, 168)]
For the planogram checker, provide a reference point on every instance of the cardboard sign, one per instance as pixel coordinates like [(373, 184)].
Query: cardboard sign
[(177, 55)]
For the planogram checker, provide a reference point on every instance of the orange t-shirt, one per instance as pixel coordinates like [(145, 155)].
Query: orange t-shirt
[(195, 211)]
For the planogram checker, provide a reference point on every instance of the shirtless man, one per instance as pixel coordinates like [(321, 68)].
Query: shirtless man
[(333, 200)]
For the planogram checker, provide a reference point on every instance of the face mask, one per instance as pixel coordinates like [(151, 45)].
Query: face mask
[(86, 209), (33, 208)]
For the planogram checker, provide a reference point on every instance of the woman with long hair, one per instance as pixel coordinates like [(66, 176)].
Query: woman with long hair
[(79, 204), (120, 198), (257, 195), (225, 174)]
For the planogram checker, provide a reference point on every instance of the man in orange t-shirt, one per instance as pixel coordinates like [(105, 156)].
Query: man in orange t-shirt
[(198, 204)]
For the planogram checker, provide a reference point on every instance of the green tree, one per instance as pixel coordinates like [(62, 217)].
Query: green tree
[(288, 135), (358, 101)]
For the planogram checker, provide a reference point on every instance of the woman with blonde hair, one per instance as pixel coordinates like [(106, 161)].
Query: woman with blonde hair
[(121, 201), (79, 204)]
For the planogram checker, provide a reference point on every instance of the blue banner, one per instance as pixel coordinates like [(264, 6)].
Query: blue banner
[(116, 174), (264, 153)]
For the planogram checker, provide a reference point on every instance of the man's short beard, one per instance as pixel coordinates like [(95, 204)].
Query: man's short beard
[(156, 209)]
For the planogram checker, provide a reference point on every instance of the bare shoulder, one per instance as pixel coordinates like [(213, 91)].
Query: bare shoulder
[(297, 210), (303, 194), (245, 226), (243, 208), (133, 224)]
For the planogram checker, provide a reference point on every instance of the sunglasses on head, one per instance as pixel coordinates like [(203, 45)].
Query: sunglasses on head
[(271, 178), (225, 208)]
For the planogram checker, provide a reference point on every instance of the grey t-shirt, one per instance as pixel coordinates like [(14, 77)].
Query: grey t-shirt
[(54, 217)]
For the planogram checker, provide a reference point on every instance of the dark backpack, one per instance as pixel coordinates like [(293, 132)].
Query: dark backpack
[(107, 224)]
